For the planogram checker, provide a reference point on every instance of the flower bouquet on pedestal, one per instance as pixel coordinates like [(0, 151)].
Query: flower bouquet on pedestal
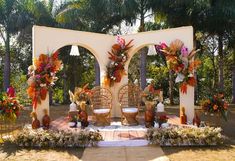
[(9, 107), (149, 97), (216, 105), (42, 76)]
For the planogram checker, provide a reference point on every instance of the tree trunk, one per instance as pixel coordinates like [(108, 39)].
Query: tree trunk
[(7, 63), (221, 63), (214, 72), (143, 56), (97, 73), (65, 93), (171, 87), (50, 97), (233, 79), (143, 63)]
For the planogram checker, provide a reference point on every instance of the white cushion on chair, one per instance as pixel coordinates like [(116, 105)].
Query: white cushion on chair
[(129, 109), (101, 110)]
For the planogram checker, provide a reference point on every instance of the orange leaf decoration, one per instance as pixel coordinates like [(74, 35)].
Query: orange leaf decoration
[(194, 65), (43, 58), (191, 81), (55, 55), (48, 78), (43, 93), (31, 91), (116, 47), (183, 87), (112, 56), (106, 81), (118, 75), (127, 45)]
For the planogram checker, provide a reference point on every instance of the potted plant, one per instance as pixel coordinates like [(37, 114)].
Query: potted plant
[(216, 105)]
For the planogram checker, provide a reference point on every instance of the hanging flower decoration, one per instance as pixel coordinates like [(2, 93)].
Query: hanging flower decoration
[(118, 57), (180, 60), (42, 76)]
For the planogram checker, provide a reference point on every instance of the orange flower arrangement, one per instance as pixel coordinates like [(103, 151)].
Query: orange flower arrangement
[(9, 107), (42, 76), (118, 58), (180, 60), (216, 104)]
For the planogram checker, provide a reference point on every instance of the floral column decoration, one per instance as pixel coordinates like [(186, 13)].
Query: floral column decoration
[(118, 57), (180, 60), (42, 76)]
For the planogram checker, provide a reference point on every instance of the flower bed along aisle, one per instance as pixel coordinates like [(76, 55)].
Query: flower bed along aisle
[(181, 136), (49, 138)]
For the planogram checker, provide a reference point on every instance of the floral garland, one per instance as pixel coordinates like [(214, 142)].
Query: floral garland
[(185, 136), (29, 137), (42, 76), (118, 58), (9, 107), (180, 60)]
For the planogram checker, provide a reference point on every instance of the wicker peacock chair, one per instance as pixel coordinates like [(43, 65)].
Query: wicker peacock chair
[(101, 101), (129, 97)]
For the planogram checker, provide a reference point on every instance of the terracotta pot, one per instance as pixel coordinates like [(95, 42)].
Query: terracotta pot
[(35, 124), (46, 122)]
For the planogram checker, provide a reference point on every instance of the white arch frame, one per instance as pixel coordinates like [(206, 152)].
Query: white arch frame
[(48, 39)]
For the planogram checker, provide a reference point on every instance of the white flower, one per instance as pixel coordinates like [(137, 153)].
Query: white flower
[(43, 85), (190, 75), (180, 77)]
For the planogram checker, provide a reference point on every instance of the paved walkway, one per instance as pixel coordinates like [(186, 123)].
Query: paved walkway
[(147, 153), (144, 153)]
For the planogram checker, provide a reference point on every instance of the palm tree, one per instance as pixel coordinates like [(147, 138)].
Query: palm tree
[(7, 27), (219, 21), (215, 17), (20, 15), (138, 9)]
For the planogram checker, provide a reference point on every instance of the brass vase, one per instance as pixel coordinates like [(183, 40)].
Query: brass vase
[(149, 114), (83, 115)]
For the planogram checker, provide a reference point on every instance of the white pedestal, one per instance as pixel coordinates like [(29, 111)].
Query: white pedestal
[(40, 107), (187, 101)]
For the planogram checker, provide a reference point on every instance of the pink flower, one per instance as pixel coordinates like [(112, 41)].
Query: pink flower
[(160, 47), (163, 45), (121, 41), (184, 51), (38, 76)]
